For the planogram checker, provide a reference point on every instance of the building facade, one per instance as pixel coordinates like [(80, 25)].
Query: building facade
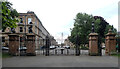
[(29, 24)]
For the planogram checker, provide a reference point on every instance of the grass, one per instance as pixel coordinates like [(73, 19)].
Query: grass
[(6, 55), (116, 55)]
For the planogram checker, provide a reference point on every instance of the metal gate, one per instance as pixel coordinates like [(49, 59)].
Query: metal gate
[(63, 50)]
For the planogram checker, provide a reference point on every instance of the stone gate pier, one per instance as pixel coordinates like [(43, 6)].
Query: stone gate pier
[(14, 44), (93, 44), (110, 43), (30, 44)]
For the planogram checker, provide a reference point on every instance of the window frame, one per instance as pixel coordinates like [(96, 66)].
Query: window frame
[(20, 29), (21, 20), (29, 30), (30, 20)]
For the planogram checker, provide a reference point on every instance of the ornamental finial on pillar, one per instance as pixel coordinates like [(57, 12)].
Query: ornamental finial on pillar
[(110, 31)]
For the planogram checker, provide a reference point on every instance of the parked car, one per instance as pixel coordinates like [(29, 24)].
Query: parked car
[(52, 47), (5, 48), (56, 46), (22, 48), (42, 47), (67, 47)]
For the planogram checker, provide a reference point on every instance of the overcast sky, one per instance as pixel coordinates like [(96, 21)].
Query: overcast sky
[(57, 15)]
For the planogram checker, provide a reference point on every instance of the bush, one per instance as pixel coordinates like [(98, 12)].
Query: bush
[(117, 54), (84, 48)]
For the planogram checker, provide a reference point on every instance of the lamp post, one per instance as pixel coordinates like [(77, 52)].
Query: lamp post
[(93, 27), (77, 48), (99, 40)]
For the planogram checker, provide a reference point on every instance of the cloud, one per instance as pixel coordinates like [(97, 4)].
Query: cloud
[(57, 15), (113, 21)]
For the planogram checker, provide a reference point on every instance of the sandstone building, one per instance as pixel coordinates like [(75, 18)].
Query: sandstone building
[(27, 22)]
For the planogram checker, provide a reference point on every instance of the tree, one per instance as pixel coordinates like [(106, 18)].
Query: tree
[(82, 28), (9, 15), (103, 28)]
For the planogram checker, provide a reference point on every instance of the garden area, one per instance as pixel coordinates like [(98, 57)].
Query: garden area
[(117, 54), (5, 55)]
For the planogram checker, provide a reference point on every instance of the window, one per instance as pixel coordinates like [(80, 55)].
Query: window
[(30, 29), (3, 30), (21, 29), (13, 30), (29, 20), (3, 39), (21, 39), (21, 20)]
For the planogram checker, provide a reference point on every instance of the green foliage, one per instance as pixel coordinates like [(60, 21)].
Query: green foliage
[(116, 54), (82, 28), (84, 48), (110, 27), (83, 25), (8, 15)]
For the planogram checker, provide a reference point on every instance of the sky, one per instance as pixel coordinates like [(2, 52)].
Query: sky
[(57, 16)]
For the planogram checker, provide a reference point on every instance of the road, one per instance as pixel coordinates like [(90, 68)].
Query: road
[(61, 61)]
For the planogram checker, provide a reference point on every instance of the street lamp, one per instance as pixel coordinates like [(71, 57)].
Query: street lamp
[(85, 21), (93, 27), (77, 48)]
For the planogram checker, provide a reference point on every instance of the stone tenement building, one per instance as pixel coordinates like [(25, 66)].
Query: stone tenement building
[(26, 21)]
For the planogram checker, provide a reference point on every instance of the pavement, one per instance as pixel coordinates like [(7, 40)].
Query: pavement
[(61, 61)]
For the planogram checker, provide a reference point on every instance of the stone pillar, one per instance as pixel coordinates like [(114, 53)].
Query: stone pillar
[(30, 44), (93, 44), (13, 44), (110, 43)]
